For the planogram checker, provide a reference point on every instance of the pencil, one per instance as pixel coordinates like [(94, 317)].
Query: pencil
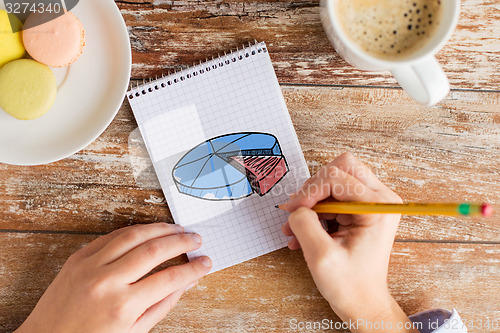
[(448, 209)]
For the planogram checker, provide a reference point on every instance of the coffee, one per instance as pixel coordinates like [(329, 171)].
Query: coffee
[(389, 29)]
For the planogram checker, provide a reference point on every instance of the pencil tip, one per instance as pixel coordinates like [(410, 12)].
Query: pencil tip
[(277, 206)]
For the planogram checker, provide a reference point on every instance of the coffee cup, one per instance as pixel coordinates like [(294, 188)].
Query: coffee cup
[(400, 36)]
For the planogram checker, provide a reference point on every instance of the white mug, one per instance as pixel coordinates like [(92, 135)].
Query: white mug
[(419, 74)]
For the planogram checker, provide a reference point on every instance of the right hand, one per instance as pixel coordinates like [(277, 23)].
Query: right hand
[(349, 266)]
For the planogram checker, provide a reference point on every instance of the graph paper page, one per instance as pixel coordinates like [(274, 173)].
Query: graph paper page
[(225, 152)]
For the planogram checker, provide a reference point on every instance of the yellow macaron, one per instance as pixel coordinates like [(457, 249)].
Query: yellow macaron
[(11, 43), (28, 89)]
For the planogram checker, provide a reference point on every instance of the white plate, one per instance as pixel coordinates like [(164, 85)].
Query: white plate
[(90, 93)]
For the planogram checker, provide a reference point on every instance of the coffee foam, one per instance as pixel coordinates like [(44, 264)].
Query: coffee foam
[(389, 29)]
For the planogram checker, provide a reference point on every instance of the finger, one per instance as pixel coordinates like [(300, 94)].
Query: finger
[(385, 227), (157, 312), (293, 244), (344, 219), (311, 235), (141, 260), (332, 183), (285, 228), (156, 287), (98, 243), (327, 216), (132, 238), (348, 163), (323, 172)]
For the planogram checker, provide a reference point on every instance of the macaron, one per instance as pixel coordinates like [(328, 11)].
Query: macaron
[(28, 89), (54, 40), (11, 42)]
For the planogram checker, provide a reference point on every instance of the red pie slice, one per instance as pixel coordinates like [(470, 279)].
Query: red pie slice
[(263, 172)]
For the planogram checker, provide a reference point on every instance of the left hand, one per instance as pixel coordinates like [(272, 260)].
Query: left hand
[(102, 288)]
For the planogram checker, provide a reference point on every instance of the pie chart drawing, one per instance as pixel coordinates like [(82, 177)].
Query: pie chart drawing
[(231, 167)]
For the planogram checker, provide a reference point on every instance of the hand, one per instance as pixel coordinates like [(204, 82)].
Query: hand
[(349, 265), (100, 287)]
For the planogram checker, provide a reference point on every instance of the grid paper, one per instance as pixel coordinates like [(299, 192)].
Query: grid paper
[(238, 92)]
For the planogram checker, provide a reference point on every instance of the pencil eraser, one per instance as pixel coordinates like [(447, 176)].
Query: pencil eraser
[(486, 210)]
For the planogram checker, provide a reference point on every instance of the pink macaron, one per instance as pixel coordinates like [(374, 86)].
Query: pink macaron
[(56, 41)]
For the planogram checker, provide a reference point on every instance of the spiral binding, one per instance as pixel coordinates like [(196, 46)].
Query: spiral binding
[(197, 69)]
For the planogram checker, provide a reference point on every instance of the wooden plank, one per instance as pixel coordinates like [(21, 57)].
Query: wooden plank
[(264, 294), (445, 153), (168, 34)]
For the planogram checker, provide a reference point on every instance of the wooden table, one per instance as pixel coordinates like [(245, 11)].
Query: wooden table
[(449, 152)]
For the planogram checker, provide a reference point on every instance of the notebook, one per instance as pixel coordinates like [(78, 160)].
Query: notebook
[(225, 152)]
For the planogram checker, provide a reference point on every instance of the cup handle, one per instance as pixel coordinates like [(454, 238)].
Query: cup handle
[(424, 81)]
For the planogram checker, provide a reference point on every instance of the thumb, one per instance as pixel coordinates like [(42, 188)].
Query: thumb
[(313, 239)]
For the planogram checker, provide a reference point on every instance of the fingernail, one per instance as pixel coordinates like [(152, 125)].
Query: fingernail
[(205, 261), (191, 285), (197, 238), (179, 228)]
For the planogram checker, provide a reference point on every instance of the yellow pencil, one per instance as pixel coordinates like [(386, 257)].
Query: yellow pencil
[(449, 209)]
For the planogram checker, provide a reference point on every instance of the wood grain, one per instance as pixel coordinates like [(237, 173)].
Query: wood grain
[(264, 294), (449, 152), (167, 34), (445, 153)]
